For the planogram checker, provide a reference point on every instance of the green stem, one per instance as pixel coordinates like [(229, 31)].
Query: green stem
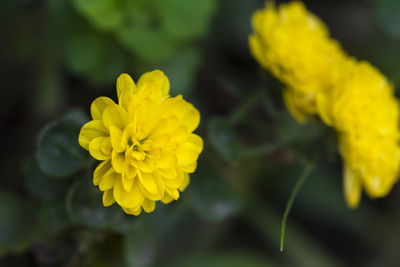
[(299, 184), (240, 113)]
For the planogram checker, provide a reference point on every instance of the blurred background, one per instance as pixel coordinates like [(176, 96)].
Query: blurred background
[(57, 56)]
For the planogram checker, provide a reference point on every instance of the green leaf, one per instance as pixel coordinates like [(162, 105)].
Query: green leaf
[(185, 20), (41, 185), (223, 138), (387, 12), (181, 71), (212, 198), (221, 259), (59, 153), (103, 14), (52, 218), (84, 206), (94, 56), (17, 223), (148, 45)]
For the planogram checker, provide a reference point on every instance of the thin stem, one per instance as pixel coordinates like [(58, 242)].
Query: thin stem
[(240, 113), (299, 184)]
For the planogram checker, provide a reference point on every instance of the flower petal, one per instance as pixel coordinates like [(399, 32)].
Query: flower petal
[(166, 198), (125, 84), (174, 193), (147, 165), (167, 160), (351, 187), (108, 180), (116, 138), (132, 199), (91, 130), (127, 183), (186, 181), (188, 115), (95, 149), (118, 161), (189, 168), (148, 182), (135, 212), (100, 170), (175, 182), (99, 105), (149, 205), (188, 152), (168, 173), (115, 115), (154, 85), (108, 198)]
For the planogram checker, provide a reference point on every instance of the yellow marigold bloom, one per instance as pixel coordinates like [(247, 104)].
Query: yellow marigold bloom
[(366, 116), (145, 143), (352, 97), (295, 46)]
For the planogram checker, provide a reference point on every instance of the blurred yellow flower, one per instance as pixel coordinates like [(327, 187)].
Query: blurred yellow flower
[(352, 97), (145, 143), (366, 115), (295, 46)]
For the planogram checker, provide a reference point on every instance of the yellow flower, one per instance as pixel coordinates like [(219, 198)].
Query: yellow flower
[(145, 143), (295, 46), (366, 116), (352, 97)]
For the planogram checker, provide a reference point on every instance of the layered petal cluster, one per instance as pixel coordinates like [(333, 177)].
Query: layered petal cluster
[(295, 46), (352, 97), (366, 116), (145, 142)]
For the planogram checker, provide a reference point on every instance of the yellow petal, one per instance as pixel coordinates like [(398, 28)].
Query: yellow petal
[(147, 165), (108, 198), (127, 135), (188, 115), (189, 168), (166, 198), (188, 152), (167, 160), (125, 83), (115, 115), (132, 199), (106, 147), (176, 182), (130, 171), (186, 181), (108, 180), (135, 212), (160, 140), (95, 149), (154, 85), (99, 105), (168, 173), (174, 193), (118, 161), (100, 170), (324, 106), (352, 187), (292, 107), (116, 138), (127, 183), (149, 205), (180, 134), (148, 182), (91, 130), (160, 188)]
